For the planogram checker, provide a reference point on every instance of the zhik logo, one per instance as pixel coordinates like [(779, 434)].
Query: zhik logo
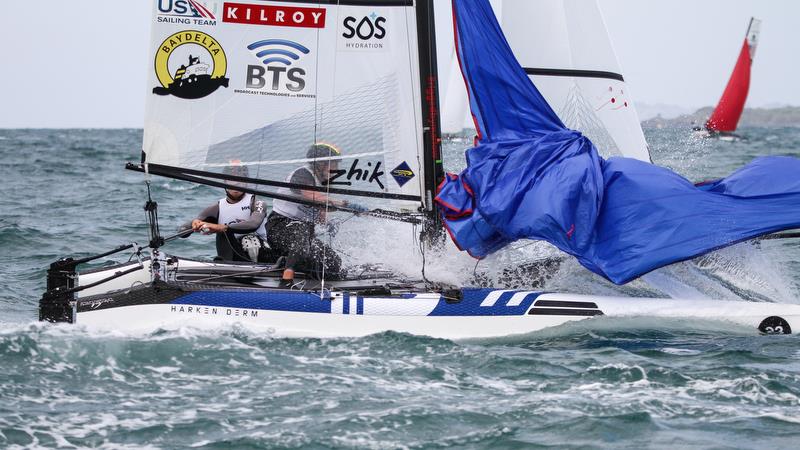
[(344, 177)]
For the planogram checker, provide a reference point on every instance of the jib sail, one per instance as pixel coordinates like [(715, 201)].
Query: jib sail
[(565, 49), (256, 84)]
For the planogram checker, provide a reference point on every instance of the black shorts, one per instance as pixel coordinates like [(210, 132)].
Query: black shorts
[(295, 240)]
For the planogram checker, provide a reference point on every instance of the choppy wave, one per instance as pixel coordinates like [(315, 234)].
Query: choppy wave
[(591, 383), (185, 388)]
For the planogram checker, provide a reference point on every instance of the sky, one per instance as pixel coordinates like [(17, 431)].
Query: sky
[(82, 64)]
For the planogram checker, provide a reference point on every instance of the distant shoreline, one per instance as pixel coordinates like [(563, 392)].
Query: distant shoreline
[(787, 116)]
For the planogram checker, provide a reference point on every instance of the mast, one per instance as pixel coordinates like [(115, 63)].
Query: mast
[(431, 120)]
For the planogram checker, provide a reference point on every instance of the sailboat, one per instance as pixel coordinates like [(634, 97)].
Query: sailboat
[(361, 75), (725, 118)]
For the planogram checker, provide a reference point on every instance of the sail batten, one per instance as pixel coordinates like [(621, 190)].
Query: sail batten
[(573, 73)]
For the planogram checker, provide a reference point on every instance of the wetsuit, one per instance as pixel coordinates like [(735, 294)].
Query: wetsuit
[(290, 231), (247, 216)]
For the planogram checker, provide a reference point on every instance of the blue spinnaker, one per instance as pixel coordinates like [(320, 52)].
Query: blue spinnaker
[(531, 177)]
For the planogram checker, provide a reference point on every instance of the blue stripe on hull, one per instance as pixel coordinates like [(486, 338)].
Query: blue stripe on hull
[(309, 302), (275, 301), (470, 305)]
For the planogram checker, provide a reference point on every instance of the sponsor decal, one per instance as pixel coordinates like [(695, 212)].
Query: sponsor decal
[(364, 33), (201, 70), (402, 174), (213, 311), (187, 12), (100, 302), (345, 177), (280, 72), (273, 15)]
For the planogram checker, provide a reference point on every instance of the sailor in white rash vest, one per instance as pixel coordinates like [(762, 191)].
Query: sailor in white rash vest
[(290, 226), (239, 221)]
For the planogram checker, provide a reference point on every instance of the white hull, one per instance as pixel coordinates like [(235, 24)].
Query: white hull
[(144, 318), (353, 308)]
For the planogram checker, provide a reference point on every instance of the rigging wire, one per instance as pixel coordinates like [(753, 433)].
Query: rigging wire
[(318, 120), (417, 120), (151, 217), (421, 244), (475, 269)]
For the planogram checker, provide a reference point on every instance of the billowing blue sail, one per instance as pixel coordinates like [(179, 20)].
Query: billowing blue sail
[(531, 177)]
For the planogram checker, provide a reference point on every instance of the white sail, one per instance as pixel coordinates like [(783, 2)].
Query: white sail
[(753, 32), (257, 83), (565, 48), (455, 103), (455, 107)]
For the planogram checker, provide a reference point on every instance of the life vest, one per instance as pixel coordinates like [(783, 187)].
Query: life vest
[(239, 212), (296, 211)]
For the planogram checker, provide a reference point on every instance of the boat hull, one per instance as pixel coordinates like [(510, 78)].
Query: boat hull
[(204, 294), (472, 314)]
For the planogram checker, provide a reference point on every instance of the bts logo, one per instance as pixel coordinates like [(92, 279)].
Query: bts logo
[(278, 56)]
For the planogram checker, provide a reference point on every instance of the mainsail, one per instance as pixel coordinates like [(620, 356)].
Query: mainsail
[(725, 117), (530, 176), (256, 83)]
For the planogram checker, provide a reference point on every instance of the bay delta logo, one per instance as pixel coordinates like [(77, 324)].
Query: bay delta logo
[(364, 33), (280, 73), (199, 65), (187, 12)]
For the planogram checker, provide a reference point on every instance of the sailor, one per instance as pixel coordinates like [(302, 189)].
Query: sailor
[(290, 226), (238, 220)]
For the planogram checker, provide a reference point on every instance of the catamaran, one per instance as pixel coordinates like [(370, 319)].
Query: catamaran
[(725, 118), (362, 75)]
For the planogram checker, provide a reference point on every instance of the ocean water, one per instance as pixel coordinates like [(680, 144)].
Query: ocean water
[(593, 384)]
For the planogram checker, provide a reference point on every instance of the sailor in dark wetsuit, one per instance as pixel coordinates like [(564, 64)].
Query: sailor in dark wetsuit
[(290, 226), (239, 221)]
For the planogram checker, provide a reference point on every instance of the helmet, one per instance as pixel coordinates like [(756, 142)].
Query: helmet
[(322, 150), (236, 170)]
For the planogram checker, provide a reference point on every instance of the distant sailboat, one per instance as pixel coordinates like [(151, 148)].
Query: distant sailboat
[(726, 115)]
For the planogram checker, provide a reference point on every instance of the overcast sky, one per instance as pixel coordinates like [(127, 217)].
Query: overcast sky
[(83, 64)]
